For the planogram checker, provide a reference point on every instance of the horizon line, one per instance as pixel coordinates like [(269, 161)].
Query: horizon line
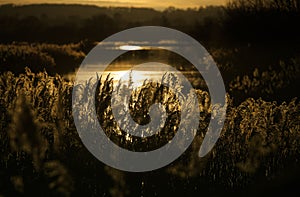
[(160, 8)]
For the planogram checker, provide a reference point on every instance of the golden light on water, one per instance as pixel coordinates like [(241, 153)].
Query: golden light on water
[(137, 76), (130, 47)]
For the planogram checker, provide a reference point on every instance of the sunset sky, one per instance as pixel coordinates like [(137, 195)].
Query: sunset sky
[(158, 4)]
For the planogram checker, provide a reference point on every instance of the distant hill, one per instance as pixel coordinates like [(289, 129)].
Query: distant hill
[(65, 23), (64, 12), (213, 26)]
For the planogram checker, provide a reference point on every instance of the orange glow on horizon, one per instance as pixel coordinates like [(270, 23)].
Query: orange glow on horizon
[(157, 4)]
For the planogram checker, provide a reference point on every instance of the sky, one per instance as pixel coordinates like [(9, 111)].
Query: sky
[(157, 4)]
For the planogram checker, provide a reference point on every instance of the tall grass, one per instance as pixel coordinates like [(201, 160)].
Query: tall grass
[(41, 150)]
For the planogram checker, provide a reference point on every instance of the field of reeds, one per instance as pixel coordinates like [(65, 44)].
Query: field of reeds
[(41, 151)]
